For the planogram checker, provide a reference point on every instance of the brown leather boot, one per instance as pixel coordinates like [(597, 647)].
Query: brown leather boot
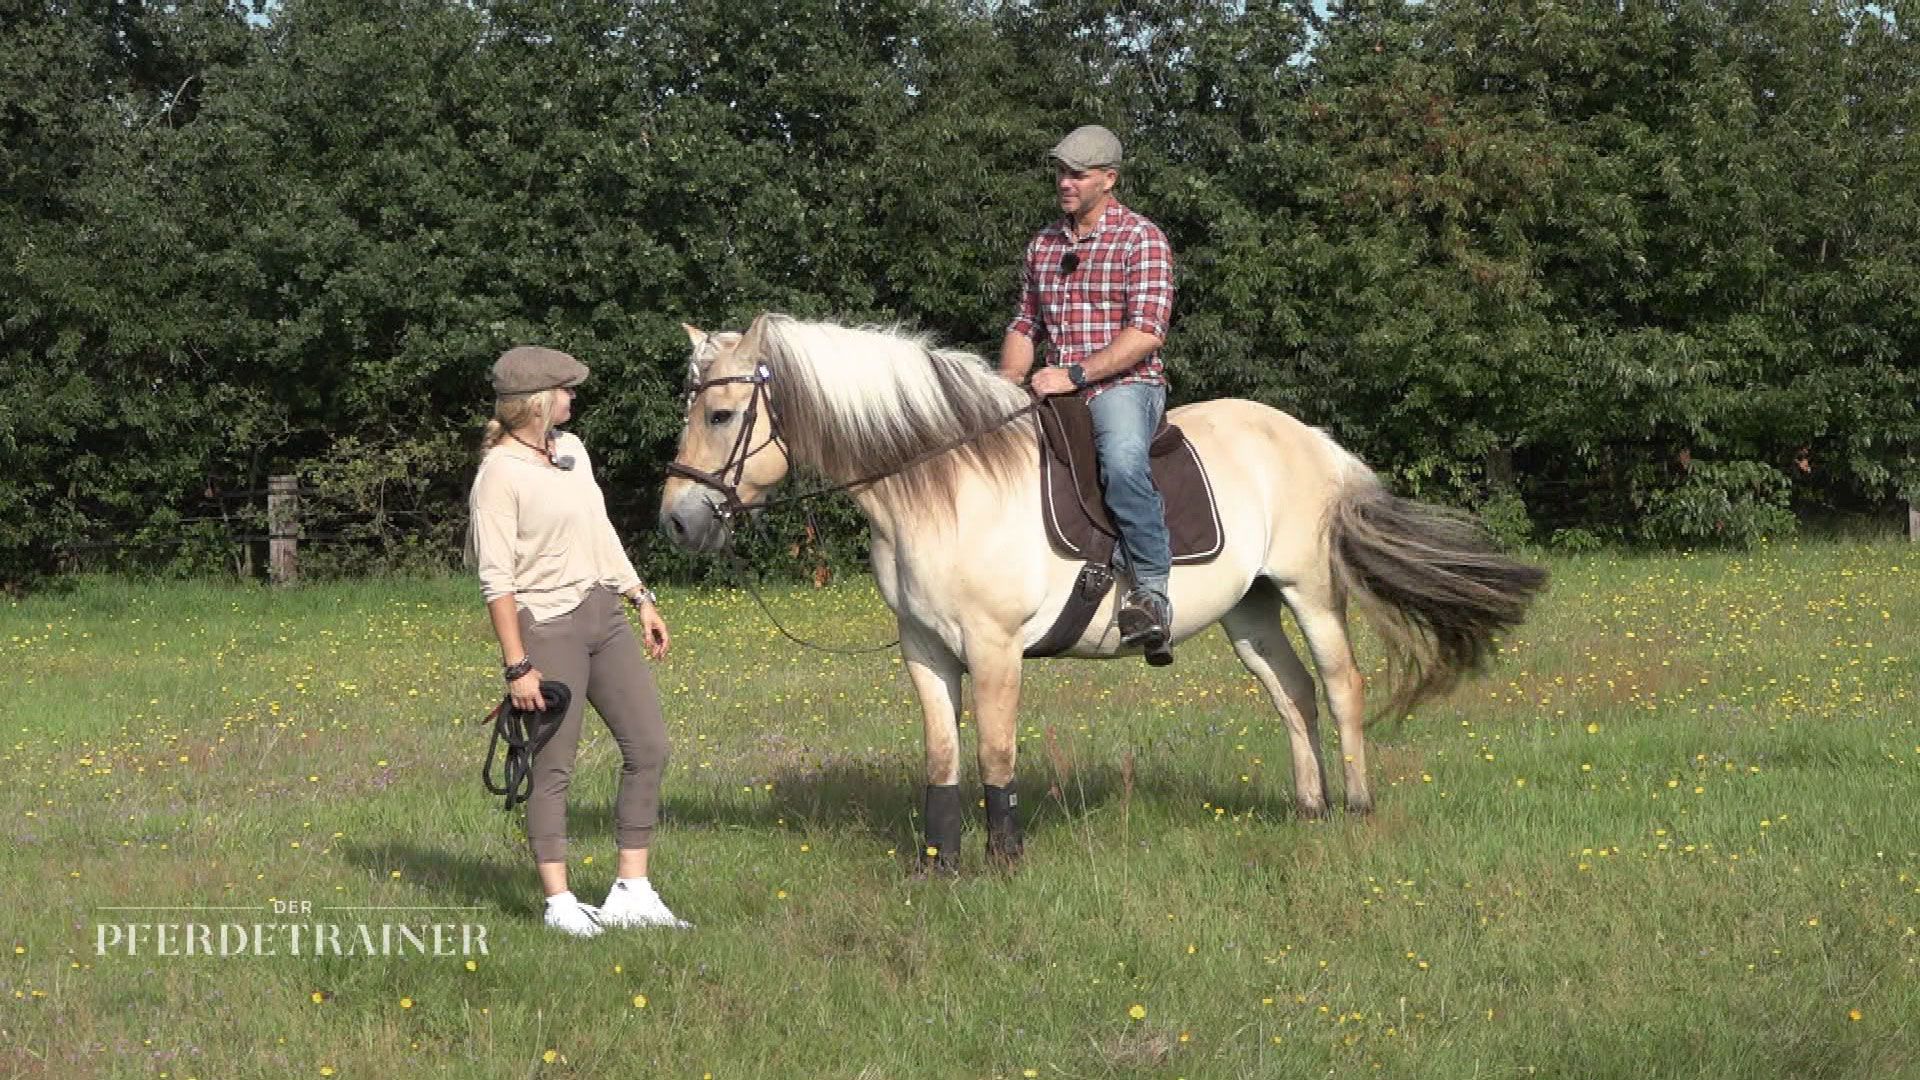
[(1146, 620)]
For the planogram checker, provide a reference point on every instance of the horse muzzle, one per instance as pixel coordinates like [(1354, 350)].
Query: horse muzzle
[(697, 521)]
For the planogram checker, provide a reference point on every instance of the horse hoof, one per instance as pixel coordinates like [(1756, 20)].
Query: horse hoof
[(1362, 807), (941, 867), (1310, 811)]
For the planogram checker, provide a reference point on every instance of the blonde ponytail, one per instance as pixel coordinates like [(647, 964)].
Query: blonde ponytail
[(512, 412)]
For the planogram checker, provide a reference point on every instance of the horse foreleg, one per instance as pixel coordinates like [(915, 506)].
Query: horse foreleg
[(1323, 620), (996, 706), (1261, 642), (935, 673)]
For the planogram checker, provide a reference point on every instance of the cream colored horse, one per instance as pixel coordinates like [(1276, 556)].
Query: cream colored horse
[(962, 558)]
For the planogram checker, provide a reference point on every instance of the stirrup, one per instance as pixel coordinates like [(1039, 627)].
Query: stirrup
[(1144, 621)]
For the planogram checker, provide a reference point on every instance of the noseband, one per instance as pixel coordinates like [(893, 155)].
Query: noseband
[(726, 480)]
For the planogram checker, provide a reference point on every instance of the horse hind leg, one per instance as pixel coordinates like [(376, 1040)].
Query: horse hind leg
[(1260, 640), (1321, 613)]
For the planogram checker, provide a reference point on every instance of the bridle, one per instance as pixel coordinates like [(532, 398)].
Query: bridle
[(726, 479)]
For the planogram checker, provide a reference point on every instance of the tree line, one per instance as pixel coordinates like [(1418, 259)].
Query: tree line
[(1601, 270)]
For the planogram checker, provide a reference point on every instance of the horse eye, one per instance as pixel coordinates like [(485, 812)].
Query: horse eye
[(720, 416)]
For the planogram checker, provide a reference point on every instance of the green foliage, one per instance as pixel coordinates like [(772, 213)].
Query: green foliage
[(382, 509), (1575, 541), (1727, 502), (1590, 239), (1504, 514)]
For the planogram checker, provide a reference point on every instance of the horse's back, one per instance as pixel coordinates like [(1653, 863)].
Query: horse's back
[(1232, 434), (1274, 479)]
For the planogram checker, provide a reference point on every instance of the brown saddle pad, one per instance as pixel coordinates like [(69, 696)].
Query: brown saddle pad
[(1076, 513)]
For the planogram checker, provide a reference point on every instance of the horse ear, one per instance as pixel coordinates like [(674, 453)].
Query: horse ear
[(694, 334), (753, 342)]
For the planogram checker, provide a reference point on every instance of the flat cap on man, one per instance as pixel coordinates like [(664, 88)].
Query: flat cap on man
[(1089, 147), (528, 369)]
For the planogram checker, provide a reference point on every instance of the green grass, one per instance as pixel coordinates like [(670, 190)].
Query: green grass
[(1672, 833)]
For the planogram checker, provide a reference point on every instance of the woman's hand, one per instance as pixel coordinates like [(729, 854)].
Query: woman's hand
[(525, 692), (653, 630)]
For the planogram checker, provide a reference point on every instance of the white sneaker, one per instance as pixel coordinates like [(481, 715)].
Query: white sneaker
[(573, 918), (636, 907)]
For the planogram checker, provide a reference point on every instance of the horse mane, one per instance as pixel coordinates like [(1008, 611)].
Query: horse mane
[(854, 402)]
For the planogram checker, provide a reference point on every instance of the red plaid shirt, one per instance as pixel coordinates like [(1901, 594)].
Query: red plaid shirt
[(1124, 278)]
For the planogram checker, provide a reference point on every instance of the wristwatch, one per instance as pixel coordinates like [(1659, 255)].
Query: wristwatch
[(1077, 375), (643, 595)]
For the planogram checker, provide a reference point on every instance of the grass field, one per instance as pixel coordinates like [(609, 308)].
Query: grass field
[(1674, 833)]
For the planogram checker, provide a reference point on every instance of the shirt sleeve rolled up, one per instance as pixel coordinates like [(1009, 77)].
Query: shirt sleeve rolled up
[(492, 521), (1150, 282), (1026, 319)]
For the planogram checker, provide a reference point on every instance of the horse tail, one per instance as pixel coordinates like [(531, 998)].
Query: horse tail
[(1435, 586)]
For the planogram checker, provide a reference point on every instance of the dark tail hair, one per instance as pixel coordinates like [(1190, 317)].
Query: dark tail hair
[(1435, 585)]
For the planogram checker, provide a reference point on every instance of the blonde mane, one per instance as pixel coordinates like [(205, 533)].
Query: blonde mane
[(858, 401)]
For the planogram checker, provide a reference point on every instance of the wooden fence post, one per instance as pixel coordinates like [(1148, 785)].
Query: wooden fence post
[(283, 529)]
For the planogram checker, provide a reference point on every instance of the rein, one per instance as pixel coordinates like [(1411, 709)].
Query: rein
[(751, 577), (735, 466), (525, 736)]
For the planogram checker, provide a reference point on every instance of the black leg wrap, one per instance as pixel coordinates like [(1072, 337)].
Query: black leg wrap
[(942, 851), (1003, 828)]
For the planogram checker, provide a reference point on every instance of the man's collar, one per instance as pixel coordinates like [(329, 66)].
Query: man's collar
[(1107, 217)]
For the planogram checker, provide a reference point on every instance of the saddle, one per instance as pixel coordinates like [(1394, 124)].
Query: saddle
[(1080, 527), (1076, 513)]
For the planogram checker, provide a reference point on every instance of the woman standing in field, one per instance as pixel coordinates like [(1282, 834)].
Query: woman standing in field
[(554, 573)]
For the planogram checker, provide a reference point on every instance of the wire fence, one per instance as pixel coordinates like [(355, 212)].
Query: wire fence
[(275, 530)]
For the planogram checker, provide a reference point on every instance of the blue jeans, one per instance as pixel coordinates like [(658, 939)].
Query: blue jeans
[(1124, 420)]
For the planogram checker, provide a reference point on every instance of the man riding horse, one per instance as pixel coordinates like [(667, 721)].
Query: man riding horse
[(1097, 287)]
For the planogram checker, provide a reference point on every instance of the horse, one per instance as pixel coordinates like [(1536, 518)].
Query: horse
[(940, 453)]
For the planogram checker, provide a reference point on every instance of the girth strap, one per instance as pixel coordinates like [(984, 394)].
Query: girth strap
[(1091, 587)]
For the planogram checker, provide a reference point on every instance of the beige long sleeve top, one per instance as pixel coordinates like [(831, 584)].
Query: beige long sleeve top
[(542, 533)]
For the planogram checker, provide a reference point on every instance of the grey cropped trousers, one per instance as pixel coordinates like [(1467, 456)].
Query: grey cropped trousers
[(593, 651)]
